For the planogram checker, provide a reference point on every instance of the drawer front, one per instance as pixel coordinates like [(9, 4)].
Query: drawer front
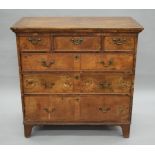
[(48, 62), (51, 83), (109, 62), (105, 108), (84, 108), (77, 43), (105, 83), (35, 108), (50, 108), (35, 42), (119, 43), (63, 61), (74, 82)]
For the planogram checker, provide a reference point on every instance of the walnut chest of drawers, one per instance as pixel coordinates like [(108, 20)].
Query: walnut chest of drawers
[(77, 70)]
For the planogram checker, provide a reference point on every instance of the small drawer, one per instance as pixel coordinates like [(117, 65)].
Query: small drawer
[(77, 43), (34, 42), (119, 43)]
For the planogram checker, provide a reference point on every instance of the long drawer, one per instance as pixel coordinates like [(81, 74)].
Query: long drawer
[(74, 108), (71, 61), (84, 82)]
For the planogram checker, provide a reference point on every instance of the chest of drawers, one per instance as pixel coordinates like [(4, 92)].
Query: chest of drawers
[(77, 70)]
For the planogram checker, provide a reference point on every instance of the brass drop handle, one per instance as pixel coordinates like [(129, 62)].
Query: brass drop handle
[(34, 40), (77, 99), (102, 62), (49, 111), (104, 109), (121, 110), (110, 63), (67, 84), (77, 41), (119, 41), (44, 63), (46, 109), (105, 84), (48, 84), (30, 83)]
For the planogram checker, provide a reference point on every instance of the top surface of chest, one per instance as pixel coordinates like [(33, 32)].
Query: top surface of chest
[(107, 24)]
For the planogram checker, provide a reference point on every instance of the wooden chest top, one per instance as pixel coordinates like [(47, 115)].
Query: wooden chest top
[(112, 24)]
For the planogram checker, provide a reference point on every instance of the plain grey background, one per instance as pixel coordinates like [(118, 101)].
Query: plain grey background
[(143, 119)]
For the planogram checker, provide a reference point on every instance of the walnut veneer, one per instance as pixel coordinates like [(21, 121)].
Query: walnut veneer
[(77, 70)]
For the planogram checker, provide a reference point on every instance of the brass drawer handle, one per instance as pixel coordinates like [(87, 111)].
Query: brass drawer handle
[(77, 41), (46, 109), (110, 63), (104, 109), (121, 110), (30, 83), (104, 85), (101, 62), (77, 99), (49, 111), (67, 84), (47, 64), (119, 41), (47, 84), (34, 40)]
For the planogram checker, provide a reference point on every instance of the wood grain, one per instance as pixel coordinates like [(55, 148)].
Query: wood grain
[(71, 62), (77, 70), (113, 24), (77, 82), (91, 108)]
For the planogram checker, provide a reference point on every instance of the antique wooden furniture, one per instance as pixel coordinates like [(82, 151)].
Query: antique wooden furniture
[(77, 70)]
